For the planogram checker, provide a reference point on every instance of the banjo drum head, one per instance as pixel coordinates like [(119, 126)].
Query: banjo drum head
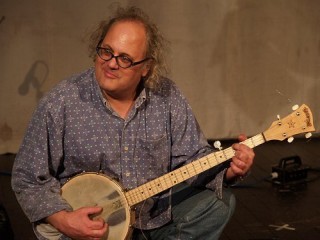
[(95, 189)]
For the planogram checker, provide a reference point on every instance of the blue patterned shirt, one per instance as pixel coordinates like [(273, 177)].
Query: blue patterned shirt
[(74, 130)]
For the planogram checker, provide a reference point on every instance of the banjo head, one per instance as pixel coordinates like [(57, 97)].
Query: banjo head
[(96, 189)]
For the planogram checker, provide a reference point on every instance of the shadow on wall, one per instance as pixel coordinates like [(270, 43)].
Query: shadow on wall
[(268, 51), (2, 19), (35, 78)]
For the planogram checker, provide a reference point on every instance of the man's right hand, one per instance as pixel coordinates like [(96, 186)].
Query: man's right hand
[(78, 224)]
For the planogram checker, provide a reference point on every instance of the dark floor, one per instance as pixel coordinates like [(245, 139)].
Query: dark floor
[(287, 210), (265, 210)]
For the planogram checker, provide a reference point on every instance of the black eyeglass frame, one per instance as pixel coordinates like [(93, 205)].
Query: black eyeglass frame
[(98, 48)]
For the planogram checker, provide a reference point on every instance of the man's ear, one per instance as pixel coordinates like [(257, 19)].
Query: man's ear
[(146, 68)]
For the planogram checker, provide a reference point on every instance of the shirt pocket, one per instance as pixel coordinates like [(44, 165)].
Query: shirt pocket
[(152, 158)]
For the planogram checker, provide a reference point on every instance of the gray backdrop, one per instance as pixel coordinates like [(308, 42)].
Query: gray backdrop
[(239, 62)]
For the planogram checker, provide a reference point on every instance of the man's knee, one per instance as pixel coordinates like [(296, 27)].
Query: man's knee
[(206, 204), (229, 199), (222, 209)]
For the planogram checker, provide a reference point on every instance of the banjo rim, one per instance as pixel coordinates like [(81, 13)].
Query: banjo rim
[(130, 213)]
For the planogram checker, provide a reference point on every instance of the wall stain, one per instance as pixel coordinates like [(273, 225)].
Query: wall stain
[(6, 132)]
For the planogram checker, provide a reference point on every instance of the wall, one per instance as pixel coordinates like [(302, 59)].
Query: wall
[(239, 62)]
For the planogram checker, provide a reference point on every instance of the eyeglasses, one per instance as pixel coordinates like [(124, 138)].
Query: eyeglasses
[(123, 61)]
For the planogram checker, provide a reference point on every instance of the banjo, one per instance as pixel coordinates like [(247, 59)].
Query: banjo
[(97, 189)]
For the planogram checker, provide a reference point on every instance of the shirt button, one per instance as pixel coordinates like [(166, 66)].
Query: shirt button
[(126, 148)]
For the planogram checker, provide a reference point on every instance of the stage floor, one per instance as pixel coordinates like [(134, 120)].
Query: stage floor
[(264, 210), (274, 210)]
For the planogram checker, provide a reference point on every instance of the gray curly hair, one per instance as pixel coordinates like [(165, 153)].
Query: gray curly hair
[(156, 44)]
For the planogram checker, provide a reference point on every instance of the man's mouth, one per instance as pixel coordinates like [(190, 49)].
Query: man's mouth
[(110, 74)]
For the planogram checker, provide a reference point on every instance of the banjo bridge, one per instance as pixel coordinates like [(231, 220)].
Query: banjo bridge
[(117, 204)]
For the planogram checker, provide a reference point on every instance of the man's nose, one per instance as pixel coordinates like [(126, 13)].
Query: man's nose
[(113, 63)]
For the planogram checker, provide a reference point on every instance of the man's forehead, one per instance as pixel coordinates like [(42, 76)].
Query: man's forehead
[(133, 25), (125, 34)]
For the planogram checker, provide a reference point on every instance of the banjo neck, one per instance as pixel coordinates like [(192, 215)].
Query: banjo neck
[(299, 121), (186, 172)]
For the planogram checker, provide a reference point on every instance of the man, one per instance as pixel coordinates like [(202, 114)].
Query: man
[(121, 117)]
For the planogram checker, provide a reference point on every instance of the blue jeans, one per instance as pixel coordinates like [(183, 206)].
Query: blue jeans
[(196, 214)]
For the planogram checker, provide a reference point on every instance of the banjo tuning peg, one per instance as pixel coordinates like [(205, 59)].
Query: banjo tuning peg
[(290, 139), (295, 107), (308, 135), (217, 145)]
